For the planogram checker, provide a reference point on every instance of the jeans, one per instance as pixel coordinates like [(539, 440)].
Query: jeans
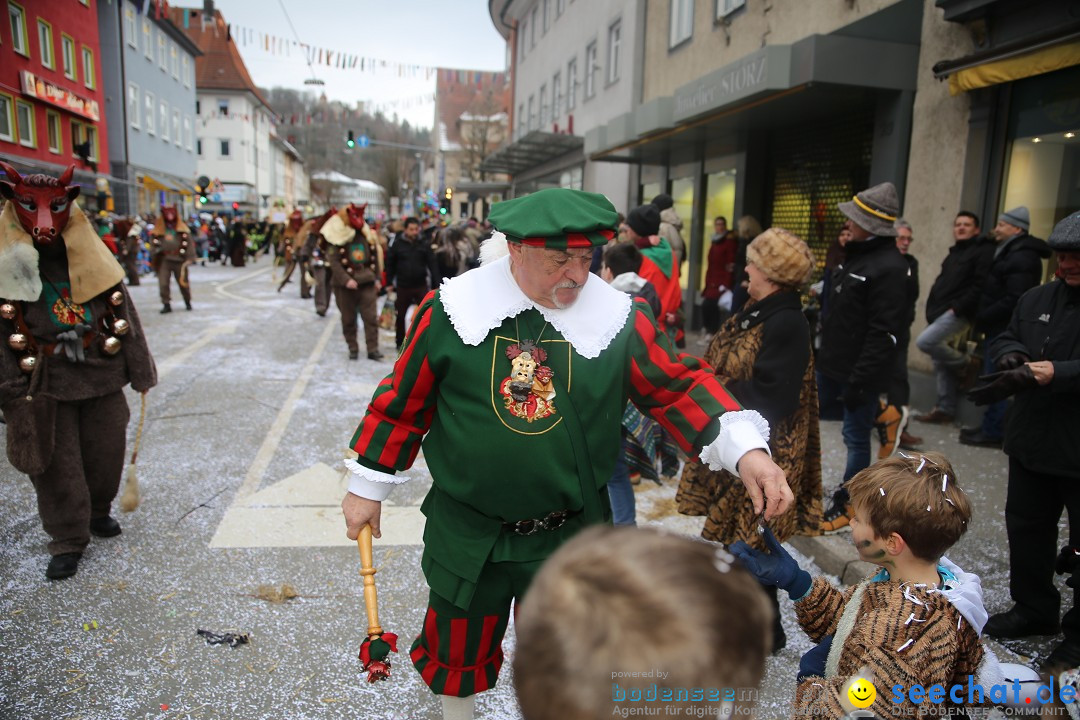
[(936, 341), (993, 423), (858, 424), (621, 492)]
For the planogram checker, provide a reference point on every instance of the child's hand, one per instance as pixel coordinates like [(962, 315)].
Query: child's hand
[(775, 567)]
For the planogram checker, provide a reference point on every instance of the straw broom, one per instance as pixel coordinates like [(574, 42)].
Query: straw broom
[(130, 499)]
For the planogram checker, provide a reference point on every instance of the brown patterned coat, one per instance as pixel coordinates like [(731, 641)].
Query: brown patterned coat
[(762, 355)]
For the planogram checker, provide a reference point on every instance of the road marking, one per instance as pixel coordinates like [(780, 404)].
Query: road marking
[(176, 360), (223, 290)]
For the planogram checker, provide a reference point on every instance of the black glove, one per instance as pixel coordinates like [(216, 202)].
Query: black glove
[(1000, 385), (775, 567), (1011, 361), (854, 396), (813, 661)]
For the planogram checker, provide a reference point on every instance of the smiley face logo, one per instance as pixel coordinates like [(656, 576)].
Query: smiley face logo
[(861, 692)]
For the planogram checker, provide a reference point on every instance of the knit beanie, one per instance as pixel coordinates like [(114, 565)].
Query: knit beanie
[(644, 220), (662, 201), (782, 257), (1018, 216)]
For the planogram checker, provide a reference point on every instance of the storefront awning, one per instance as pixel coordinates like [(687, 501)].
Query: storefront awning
[(529, 151), (1060, 49), (151, 183)]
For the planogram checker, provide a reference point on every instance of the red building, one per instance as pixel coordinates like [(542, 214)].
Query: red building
[(51, 97)]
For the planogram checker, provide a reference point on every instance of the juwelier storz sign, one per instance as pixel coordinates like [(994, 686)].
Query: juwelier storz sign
[(766, 69)]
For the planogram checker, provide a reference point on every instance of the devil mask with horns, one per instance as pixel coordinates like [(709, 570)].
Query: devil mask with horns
[(40, 213)]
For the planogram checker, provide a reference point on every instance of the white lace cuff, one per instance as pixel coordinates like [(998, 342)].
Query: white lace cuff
[(740, 432), (371, 484)]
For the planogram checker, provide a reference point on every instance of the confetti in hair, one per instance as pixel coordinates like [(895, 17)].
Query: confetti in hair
[(904, 455), (905, 646), (922, 464), (882, 491), (927, 508), (944, 481)]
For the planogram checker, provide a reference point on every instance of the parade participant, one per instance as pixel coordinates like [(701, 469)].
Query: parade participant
[(172, 252), (514, 376), (613, 601), (128, 234), (660, 266), (74, 341), (411, 271), (355, 262), (292, 240)]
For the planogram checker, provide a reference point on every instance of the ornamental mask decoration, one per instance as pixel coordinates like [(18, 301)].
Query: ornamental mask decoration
[(528, 393), (42, 203), (356, 215)]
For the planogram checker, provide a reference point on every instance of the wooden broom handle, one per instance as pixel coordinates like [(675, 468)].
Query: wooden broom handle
[(367, 571)]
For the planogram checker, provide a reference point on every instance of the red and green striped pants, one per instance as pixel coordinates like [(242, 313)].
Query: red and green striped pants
[(459, 651)]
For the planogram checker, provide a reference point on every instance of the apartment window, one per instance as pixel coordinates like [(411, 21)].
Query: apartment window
[(18, 29), (67, 49), (133, 105), (556, 96), (7, 119), (186, 69), (532, 116), (543, 105), (614, 40), (163, 120), (162, 53), (56, 140), (148, 113), (524, 37), (44, 31), (547, 15), (198, 147), (81, 133), (522, 121), (24, 113), (177, 138), (198, 108), (174, 59), (571, 84), (560, 6), (726, 7), (682, 21), (590, 70), (187, 132), (224, 148), (130, 28), (223, 108), (147, 40), (532, 27), (88, 67)]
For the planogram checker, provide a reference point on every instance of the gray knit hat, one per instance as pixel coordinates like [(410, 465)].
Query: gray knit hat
[(874, 210), (1018, 217), (1066, 234)]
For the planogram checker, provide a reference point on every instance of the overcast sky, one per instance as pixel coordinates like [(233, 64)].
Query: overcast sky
[(439, 33)]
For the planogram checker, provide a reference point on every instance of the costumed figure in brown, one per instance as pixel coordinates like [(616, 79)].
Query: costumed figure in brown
[(304, 240), (129, 238), (355, 264), (73, 342), (172, 253)]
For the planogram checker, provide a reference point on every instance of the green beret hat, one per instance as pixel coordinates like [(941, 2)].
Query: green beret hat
[(556, 218)]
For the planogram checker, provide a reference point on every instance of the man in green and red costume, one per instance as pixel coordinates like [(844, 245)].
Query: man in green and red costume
[(514, 377)]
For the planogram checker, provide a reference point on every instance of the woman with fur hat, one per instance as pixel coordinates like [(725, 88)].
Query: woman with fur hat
[(762, 354)]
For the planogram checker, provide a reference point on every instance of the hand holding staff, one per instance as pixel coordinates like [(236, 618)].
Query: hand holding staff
[(376, 649)]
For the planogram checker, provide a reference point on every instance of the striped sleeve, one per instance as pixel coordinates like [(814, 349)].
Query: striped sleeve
[(679, 391), (400, 412), (819, 610)]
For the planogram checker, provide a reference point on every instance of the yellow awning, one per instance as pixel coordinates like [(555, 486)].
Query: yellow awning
[(151, 183), (1015, 68)]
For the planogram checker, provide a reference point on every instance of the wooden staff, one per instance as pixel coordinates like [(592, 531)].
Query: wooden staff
[(376, 648)]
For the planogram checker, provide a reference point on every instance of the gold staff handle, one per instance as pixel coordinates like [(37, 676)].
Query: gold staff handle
[(367, 571)]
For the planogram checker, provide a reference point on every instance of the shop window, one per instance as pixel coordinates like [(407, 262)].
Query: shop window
[(67, 49), (7, 118), (17, 16), (24, 113), (46, 42), (1042, 170), (719, 201), (56, 139), (681, 22)]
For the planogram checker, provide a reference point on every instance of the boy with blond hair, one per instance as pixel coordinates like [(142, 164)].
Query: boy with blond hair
[(916, 621), (626, 618)]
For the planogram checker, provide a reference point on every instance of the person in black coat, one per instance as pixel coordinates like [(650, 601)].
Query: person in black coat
[(1017, 268), (1038, 358), (892, 422), (866, 313), (411, 271)]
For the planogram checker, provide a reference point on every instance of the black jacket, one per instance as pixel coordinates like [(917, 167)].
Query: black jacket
[(959, 285), (867, 311), (1017, 268), (1044, 425), (912, 289), (410, 264)]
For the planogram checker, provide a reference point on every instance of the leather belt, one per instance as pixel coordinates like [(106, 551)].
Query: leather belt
[(551, 521)]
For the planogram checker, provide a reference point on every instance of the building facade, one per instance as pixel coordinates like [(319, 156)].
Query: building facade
[(51, 95), (149, 76), (575, 66)]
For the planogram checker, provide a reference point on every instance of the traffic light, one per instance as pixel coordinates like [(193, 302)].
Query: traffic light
[(202, 194), (235, 206), (350, 142), (444, 204)]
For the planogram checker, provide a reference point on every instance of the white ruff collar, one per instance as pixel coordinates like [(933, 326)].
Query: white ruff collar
[(478, 302)]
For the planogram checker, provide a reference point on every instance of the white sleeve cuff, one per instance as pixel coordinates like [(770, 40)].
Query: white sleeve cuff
[(371, 484), (740, 432)]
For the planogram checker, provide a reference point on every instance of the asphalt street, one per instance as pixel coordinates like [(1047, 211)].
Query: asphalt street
[(241, 477)]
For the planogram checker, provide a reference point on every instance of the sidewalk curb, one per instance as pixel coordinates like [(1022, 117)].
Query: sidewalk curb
[(835, 555)]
